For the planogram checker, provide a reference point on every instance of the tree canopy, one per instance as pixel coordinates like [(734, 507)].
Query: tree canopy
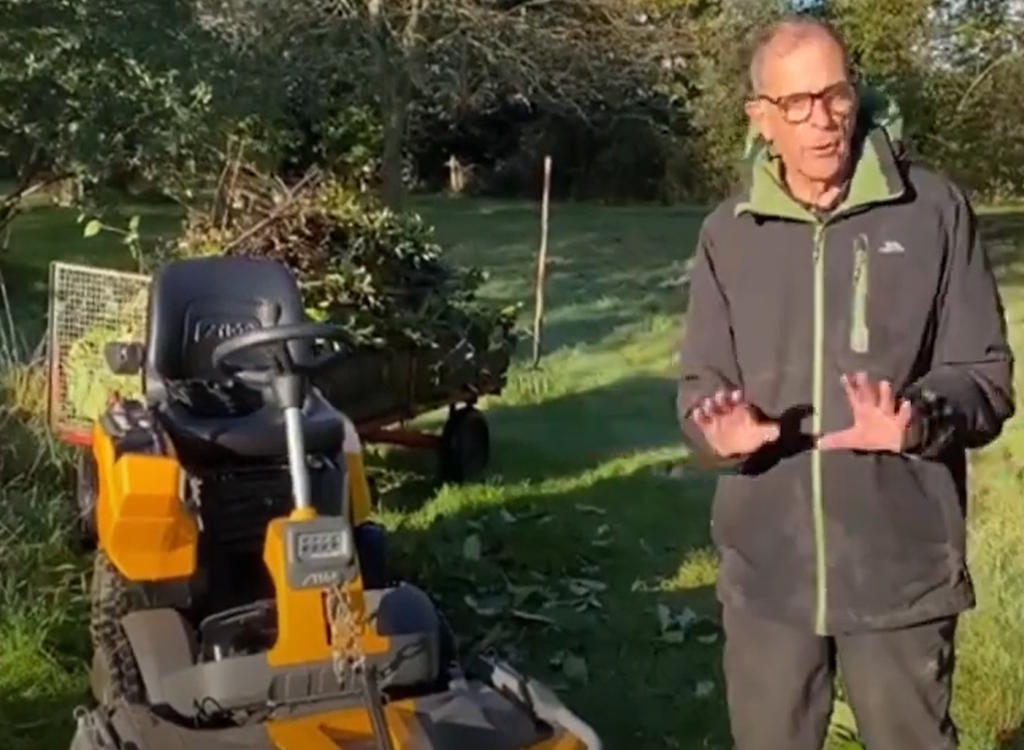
[(634, 99)]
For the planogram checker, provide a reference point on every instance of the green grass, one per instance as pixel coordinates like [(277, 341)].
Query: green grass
[(590, 502), (47, 234), (43, 641)]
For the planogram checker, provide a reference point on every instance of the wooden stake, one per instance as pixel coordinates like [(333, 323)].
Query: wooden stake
[(542, 263)]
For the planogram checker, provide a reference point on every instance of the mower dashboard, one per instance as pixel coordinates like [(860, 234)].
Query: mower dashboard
[(320, 552)]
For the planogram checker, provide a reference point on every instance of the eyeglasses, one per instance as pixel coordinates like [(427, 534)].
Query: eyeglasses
[(839, 99)]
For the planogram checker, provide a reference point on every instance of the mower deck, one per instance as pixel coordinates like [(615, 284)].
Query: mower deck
[(471, 715)]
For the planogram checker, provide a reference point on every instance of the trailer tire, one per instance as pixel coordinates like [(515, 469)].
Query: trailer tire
[(465, 445)]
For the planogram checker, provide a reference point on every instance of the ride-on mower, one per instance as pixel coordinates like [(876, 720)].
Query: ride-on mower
[(240, 599)]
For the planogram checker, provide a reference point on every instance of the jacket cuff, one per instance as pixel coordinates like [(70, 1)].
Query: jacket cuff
[(933, 424)]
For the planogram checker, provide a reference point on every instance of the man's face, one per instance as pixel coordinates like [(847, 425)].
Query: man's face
[(812, 135)]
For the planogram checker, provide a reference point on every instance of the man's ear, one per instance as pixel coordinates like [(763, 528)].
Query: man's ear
[(758, 118)]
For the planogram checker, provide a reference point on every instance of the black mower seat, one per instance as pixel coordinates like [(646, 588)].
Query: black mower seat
[(257, 434), (196, 304)]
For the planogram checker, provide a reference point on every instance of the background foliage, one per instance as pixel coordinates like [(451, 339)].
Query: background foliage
[(634, 99)]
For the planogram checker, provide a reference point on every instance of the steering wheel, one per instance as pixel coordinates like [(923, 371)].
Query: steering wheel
[(274, 341)]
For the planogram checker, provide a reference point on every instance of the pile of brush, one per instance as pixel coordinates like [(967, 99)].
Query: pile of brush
[(418, 333), (378, 273)]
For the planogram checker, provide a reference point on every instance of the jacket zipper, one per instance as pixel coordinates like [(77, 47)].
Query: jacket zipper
[(859, 334), (818, 404)]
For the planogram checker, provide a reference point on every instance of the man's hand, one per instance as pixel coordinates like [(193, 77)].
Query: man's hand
[(878, 424), (732, 426)]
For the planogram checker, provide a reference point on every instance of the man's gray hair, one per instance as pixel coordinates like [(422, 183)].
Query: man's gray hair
[(785, 35)]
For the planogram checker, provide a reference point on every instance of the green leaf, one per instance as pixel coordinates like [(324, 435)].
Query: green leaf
[(664, 617), (704, 688), (494, 635), (686, 618), (92, 228), (521, 593), (471, 548), (491, 606), (575, 668), (674, 628), (133, 224), (532, 617)]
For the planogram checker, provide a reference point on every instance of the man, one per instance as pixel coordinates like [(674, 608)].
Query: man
[(845, 344)]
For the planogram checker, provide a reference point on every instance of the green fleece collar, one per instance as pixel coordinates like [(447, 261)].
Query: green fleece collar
[(876, 176)]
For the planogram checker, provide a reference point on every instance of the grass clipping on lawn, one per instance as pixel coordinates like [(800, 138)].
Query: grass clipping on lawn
[(377, 273)]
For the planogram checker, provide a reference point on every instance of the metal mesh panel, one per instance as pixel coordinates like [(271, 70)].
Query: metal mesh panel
[(90, 307)]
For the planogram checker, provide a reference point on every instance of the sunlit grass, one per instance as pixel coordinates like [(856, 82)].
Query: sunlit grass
[(590, 520)]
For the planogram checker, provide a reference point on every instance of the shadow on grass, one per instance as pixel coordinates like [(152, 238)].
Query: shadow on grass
[(586, 490), (562, 436), (577, 576), (29, 723)]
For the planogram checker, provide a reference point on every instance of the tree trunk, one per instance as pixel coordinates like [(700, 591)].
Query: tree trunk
[(393, 85), (392, 189)]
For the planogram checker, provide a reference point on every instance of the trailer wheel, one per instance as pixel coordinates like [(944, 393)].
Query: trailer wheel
[(465, 445), (86, 491)]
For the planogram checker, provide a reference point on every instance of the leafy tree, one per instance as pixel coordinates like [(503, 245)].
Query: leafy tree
[(102, 90), (426, 61)]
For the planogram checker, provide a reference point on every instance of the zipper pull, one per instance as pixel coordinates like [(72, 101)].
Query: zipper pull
[(819, 231)]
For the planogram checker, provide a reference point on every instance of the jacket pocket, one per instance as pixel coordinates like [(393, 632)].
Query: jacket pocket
[(859, 332)]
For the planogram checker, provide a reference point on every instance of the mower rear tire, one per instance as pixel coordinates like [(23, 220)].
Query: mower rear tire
[(371, 548), (115, 673), (86, 491), (465, 448)]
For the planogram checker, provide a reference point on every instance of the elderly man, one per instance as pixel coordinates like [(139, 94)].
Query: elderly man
[(845, 344)]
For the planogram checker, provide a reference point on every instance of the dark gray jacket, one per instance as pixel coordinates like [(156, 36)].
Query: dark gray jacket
[(893, 282)]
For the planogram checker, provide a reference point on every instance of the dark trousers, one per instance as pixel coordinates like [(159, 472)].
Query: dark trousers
[(780, 680)]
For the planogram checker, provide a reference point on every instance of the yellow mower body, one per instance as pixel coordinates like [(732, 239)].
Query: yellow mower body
[(240, 597)]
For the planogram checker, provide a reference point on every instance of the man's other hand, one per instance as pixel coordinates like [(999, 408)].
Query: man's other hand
[(879, 425), (732, 426)]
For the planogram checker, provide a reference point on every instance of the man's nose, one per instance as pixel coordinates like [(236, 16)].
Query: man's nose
[(821, 117)]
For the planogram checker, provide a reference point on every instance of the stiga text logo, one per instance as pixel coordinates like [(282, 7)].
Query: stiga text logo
[(321, 578), (210, 329)]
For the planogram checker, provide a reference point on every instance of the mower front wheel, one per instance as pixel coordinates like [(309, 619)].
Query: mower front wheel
[(465, 448), (115, 673)]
